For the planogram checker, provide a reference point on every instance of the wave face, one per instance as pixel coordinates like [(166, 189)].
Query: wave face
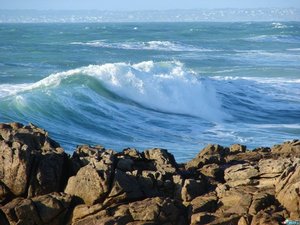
[(199, 84)]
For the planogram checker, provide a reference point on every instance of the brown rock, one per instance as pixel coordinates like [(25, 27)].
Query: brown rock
[(192, 188), (88, 185), (214, 171), (260, 202), (263, 218), (207, 203), (45, 209), (271, 169), (287, 148), (164, 161), (124, 188), (245, 220), (210, 154), (31, 163), (241, 174), (288, 190), (237, 148), (159, 210)]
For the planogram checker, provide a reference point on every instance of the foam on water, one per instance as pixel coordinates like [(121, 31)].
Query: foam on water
[(150, 45), (162, 86)]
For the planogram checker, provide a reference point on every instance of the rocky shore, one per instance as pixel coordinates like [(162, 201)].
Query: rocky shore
[(41, 184)]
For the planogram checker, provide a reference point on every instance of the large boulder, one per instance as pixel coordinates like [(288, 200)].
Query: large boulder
[(289, 148), (46, 209), (164, 162), (31, 163), (148, 211), (93, 179), (241, 174), (288, 190), (210, 154)]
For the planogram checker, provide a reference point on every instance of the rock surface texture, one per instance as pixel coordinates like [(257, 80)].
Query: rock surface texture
[(42, 185)]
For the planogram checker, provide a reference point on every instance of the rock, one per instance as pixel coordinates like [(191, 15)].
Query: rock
[(245, 220), (88, 185), (51, 208), (101, 159), (271, 169), (31, 163), (288, 190), (159, 210), (263, 218), (237, 148), (164, 161), (207, 203), (192, 188), (202, 218), (124, 188), (132, 153), (288, 148), (210, 154), (213, 171), (82, 211), (260, 202), (241, 174), (125, 164), (235, 201)]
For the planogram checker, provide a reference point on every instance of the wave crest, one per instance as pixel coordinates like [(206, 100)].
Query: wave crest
[(162, 86)]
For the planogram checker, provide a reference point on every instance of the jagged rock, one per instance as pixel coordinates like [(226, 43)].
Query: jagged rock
[(271, 169), (241, 174), (148, 211), (287, 148), (45, 209), (192, 188), (82, 211), (159, 210), (132, 153), (164, 161), (235, 201), (226, 220), (125, 187), (31, 163), (207, 203), (202, 218), (260, 201), (100, 158), (237, 148), (288, 190), (263, 218), (213, 171), (210, 154), (245, 220), (88, 185)]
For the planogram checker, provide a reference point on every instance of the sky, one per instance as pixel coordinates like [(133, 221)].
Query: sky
[(126, 5)]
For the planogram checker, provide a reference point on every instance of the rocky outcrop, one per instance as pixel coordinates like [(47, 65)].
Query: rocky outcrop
[(42, 185), (31, 163)]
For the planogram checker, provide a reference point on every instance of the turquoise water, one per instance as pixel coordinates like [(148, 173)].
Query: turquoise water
[(178, 86)]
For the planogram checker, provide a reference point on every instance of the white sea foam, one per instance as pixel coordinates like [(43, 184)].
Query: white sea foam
[(163, 86), (12, 89), (279, 26), (274, 38), (150, 45)]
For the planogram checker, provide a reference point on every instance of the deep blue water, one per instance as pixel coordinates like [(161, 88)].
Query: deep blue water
[(178, 86)]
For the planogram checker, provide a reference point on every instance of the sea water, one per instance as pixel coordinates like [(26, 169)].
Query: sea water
[(177, 86)]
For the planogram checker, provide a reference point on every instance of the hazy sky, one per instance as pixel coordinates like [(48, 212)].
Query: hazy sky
[(145, 4)]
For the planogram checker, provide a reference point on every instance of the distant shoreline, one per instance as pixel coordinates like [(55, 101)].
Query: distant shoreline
[(188, 15)]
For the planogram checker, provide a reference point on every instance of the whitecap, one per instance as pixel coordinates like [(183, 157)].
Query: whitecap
[(162, 86)]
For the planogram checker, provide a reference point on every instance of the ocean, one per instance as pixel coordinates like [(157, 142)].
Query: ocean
[(177, 86)]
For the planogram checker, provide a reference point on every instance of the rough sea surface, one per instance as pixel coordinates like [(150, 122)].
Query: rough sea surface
[(178, 86)]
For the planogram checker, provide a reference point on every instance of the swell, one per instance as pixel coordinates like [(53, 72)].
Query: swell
[(147, 103)]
